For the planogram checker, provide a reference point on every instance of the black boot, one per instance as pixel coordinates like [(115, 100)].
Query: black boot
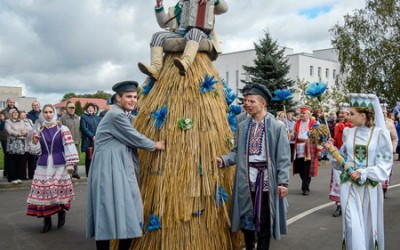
[(61, 218), (46, 224), (338, 211)]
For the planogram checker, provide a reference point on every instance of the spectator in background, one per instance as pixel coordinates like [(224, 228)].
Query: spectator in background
[(290, 123), (61, 112), (71, 121), (10, 105), (398, 136), (110, 103), (15, 147), (29, 159), (88, 127), (33, 115), (3, 139)]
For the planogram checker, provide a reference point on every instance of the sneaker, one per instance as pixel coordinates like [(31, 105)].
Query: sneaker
[(19, 181), (15, 182)]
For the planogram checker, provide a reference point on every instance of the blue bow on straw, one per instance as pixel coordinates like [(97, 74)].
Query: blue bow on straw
[(208, 84), (230, 96), (160, 116), (148, 87), (153, 224), (220, 196), (198, 213), (232, 121), (282, 94), (236, 109), (316, 89)]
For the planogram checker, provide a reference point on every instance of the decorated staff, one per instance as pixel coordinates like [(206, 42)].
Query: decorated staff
[(316, 89)]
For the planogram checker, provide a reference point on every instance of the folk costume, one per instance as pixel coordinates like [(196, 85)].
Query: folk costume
[(52, 191), (306, 153), (173, 22), (367, 150), (262, 157), (334, 194), (114, 209), (389, 123)]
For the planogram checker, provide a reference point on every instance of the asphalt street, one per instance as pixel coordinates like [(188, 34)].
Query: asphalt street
[(311, 225)]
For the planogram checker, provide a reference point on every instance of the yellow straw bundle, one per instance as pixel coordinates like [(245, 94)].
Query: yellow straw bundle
[(183, 179)]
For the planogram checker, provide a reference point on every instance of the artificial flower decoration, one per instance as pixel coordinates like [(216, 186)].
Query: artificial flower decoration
[(154, 223), (282, 95), (316, 89), (230, 96), (230, 141), (160, 116), (185, 124), (148, 87), (220, 196), (236, 109), (200, 170), (232, 121), (208, 84), (198, 213)]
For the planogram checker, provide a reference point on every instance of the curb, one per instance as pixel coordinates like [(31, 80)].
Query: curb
[(27, 184)]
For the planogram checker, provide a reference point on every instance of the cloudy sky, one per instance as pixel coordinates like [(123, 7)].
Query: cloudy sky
[(51, 47)]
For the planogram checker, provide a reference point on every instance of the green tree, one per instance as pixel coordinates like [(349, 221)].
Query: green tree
[(68, 96), (270, 68), (78, 108), (369, 49)]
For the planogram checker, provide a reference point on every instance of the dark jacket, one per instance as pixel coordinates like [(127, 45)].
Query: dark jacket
[(33, 116), (88, 128)]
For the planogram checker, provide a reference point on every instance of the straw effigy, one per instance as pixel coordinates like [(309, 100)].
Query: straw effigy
[(182, 186)]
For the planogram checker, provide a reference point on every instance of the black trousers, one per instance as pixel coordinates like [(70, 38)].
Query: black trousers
[(264, 236), (16, 167), (5, 159), (124, 244), (304, 171), (31, 161), (87, 163)]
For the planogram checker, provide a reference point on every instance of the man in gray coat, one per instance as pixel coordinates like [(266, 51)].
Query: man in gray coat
[(114, 209), (262, 157)]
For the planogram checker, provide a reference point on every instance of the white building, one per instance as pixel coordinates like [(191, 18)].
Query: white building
[(321, 65), (22, 102)]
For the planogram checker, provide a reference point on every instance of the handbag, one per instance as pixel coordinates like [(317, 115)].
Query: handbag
[(16, 145), (90, 152)]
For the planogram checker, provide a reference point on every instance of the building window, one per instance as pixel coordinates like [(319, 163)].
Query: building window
[(311, 70), (326, 72), (334, 74), (227, 77), (3, 104), (237, 81), (319, 71)]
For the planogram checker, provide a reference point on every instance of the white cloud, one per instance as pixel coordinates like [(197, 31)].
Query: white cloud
[(60, 46)]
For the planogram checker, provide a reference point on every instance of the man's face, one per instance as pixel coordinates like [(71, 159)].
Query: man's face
[(36, 106), (11, 103), (71, 109), (304, 115), (128, 100), (255, 104)]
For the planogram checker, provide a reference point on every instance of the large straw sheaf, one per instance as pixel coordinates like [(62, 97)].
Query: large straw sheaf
[(179, 185)]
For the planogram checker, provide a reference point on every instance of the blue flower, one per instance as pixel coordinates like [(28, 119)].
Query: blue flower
[(153, 224), (316, 89), (236, 109), (220, 196), (198, 213), (160, 116), (148, 87), (208, 84), (230, 96), (282, 95), (232, 121)]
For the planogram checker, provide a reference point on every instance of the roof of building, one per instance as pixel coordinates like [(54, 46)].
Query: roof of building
[(100, 102)]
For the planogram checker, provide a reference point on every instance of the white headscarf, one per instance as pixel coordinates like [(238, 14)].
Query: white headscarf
[(42, 122)]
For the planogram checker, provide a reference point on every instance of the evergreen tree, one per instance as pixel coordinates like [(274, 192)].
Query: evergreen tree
[(270, 69), (78, 108)]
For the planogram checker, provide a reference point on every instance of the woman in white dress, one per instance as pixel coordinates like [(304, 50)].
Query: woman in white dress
[(51, 190), (366, 157)]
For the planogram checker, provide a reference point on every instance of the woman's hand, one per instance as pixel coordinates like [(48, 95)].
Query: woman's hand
[(35, 138), (355, 175), (202, 1), (327, 145), (70, 169), (282, 192)]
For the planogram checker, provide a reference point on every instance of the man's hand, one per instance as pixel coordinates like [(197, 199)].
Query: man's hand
[(159, 3), (282, 192), (219, 161), (160, 145)]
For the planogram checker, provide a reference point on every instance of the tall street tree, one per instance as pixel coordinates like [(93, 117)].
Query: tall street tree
[(270, 68), (369, 47)]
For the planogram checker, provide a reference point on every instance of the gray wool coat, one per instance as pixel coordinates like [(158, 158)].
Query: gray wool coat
[(114, 204), (279, 157)]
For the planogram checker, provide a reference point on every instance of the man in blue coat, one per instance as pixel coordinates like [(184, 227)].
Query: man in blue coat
[(114, 209), (262, 157)]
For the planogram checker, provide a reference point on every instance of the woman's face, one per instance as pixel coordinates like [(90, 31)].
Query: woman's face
[(356, 118), (22, 116), (90, 109), (48, 113), (15, 115)]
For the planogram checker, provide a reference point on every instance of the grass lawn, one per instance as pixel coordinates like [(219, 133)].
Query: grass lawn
[(81, 159)]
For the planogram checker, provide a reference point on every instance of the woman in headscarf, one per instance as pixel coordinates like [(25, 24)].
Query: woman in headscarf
[(51, 190)]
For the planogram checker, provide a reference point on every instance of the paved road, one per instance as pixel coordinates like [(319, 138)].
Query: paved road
[(311, 224)]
